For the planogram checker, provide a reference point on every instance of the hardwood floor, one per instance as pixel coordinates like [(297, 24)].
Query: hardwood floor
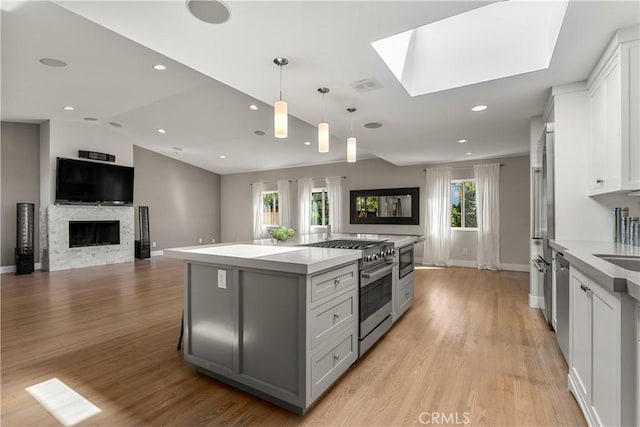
[(469, 350)]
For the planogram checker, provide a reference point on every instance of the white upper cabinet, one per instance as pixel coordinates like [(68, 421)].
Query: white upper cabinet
[(614, 137)]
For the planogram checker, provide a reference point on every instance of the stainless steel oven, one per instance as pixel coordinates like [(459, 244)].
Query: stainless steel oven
[(375, 304), (405, 260)]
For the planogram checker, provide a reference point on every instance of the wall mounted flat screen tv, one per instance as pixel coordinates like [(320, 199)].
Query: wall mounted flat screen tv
[(84, 182)]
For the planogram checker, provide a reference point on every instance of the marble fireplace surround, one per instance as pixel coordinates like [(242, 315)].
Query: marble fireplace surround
[(57, 255)]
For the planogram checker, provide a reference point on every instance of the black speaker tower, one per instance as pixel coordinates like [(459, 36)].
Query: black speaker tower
[(143, 246), (24, 238)]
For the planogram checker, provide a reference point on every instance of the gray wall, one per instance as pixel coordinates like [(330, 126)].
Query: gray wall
[(20, 177), (236, 215), (183, 200)]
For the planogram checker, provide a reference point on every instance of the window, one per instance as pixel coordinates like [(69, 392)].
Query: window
[(319, 207), (463, 204), (270, 213)]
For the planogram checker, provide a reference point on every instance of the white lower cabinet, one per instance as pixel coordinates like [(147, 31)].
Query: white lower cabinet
[(602, 362)]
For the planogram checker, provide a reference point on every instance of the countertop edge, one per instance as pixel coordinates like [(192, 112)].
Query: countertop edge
[(614, 280), (264, 263)]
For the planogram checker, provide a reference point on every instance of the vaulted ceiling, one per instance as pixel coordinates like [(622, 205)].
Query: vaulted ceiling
[(214, 72)]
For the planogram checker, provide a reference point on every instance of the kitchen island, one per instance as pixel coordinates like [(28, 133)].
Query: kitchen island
[(278, 321)]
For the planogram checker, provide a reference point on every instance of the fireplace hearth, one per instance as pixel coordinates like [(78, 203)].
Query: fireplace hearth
[(93, 233)]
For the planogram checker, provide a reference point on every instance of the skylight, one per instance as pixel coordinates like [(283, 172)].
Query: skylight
[(491, 42)]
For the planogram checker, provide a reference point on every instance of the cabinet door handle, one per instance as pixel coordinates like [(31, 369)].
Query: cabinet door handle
[(336, 282), (599, 181), (584, 288), (336, 356), (336, 314)]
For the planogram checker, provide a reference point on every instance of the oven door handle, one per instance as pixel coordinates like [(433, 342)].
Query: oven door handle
[(376, 274)]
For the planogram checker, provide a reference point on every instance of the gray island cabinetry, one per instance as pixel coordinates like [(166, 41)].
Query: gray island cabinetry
[(278, 322)]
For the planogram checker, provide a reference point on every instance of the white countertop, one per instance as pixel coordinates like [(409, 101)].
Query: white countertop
[(283, 258), (616, 279)]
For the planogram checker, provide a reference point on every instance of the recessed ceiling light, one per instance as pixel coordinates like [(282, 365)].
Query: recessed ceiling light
[(373, 125), (115, 124), (259, 132), (162, 131), (159, 67), (462, 141), (253, 107), (90, 119), (307, 143), (222, 156), (52, 62), (479, 108), (468, 154), (177, 148), (69, 108), (209, 11)]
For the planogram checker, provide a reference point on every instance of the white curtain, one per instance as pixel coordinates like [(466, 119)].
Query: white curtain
[(488, 212), (256, 189), (305, 186), (334, 192), (284, 203), (437, 243)]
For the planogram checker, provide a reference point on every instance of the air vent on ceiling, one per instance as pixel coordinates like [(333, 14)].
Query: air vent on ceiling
[(366, 85)]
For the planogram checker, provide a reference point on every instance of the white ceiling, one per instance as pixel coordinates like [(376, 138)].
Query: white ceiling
[(205, 111)]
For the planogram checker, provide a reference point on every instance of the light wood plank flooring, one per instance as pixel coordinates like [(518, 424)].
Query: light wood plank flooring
[(470, 347)]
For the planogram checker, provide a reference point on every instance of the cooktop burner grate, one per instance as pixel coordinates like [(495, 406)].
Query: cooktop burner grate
[(346, 244)]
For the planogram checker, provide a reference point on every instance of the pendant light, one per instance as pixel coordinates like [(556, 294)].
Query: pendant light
[(280, 127), (323, 127), (351, 140)]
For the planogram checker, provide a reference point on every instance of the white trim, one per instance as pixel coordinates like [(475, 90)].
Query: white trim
[(462, 263), (12, 268), (536, 302), (473, 264), (157, 253), (464, 229), (516, 267)]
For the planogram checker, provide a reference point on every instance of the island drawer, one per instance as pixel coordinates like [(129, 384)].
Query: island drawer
[(328, 363), (331, 317), (333, 282)]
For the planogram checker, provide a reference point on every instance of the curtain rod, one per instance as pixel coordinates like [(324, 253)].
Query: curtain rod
[(271, 182), (313, 179), (462, 167), (323, 177)]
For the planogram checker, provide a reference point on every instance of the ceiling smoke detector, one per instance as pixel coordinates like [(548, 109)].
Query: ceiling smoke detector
[(366, 85), (373, 125), (52, 62), (209, 11)]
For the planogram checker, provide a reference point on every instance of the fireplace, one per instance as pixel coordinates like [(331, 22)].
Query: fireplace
[(93, 233)]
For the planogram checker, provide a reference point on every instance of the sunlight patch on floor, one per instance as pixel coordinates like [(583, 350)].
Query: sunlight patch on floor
[(63, 402)]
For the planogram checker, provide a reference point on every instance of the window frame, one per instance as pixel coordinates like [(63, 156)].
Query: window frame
[(276, 209), (462, 205), (325, 198)]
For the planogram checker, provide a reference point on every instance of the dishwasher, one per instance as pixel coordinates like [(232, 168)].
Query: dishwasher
[(562, 304)]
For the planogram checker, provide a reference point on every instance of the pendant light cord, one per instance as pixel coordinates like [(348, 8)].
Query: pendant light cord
[(323, 107), (280, 82)]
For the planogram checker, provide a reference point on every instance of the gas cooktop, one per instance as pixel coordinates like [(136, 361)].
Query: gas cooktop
[(346, 244)]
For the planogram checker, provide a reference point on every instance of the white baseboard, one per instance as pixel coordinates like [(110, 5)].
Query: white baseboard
[(473, 264), (462, 263), (157, 253), (535, 301), (516, 267), (12, 268)]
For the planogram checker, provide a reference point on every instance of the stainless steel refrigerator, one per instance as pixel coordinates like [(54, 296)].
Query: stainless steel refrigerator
[(544, 217)]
